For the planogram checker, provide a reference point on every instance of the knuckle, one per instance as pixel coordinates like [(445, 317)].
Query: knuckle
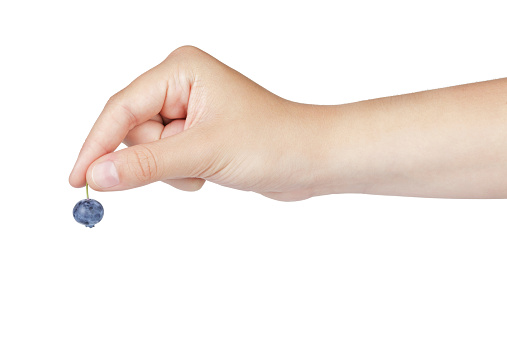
[(185, 54), (120, 112), (143, 164), (186, 50), (114, 99), (194, 185)]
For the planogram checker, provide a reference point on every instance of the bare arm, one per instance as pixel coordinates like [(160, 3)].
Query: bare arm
[(449, 142)]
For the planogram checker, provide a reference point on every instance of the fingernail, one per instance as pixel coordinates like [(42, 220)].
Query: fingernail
[(105, 175)]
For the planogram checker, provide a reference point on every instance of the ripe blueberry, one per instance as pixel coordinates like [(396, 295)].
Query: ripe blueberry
[(88, 212)]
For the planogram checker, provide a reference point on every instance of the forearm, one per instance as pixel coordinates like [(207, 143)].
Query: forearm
[(449, 142)]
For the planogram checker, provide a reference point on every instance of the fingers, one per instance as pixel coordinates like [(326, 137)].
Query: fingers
[(149, 131), (134, 105), (164, 89), (173, 128), (152, 130), (160, 95), (179, 156), (289, 196), (186, 184)]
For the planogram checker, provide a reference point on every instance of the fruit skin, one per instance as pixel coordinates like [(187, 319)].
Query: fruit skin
[(88, 212)]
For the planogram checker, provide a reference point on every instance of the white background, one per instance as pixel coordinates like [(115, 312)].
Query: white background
[(226, 263)]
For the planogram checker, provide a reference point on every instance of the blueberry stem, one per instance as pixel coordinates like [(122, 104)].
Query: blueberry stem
[(87, 197)]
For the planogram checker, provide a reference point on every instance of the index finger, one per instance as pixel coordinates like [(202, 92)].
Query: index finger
[(137, 103)]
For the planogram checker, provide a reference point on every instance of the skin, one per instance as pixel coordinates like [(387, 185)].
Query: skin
[(193, 119)]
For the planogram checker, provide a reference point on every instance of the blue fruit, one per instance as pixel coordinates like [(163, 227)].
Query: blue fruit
[(88, 212)]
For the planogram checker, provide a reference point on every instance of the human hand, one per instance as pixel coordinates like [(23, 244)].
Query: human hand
[(191, 119)]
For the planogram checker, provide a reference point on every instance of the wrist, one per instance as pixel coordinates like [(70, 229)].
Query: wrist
[(333, 149)]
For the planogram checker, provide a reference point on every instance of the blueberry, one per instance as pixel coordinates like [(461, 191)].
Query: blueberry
[(88, 212)]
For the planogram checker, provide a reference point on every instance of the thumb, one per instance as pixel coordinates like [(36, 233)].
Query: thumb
[(183, 155)]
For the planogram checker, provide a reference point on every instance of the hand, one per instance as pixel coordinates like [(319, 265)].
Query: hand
[(191, 119)]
